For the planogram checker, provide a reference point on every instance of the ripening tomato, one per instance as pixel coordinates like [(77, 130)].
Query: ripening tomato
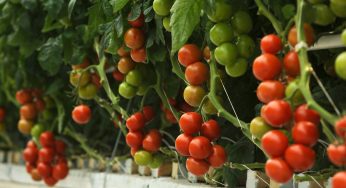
[(47, 139), (271, 44), (218, 157), (291, 64), (197, 73), (28, 111), (274, 143), (134, 139), (135, 122), (60, 171), (118, 76), (125, 64), (278, 170), (299, 157), (82, 65), (306, 133), (211, 129), (270, 90), (24, 126), (193, 95), (30, 154), (2, 114), (138, 22), (123, 52), (152, 141), (134, 38), (79, 79), (200, 147), (276, 113), (266, 67), (139, 55), (182, 144), (258, 127), (309, 35), (339, 179), (303, 113), (46, 155), (340, 127), (23, 96), (50, 181), (81, 114), (337, 154), (44, 169), (196, 166), (190, 122), (35, 175), (188, 54), (60, 147)]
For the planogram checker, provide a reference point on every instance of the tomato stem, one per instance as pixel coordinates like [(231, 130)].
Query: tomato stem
[(265, 12)]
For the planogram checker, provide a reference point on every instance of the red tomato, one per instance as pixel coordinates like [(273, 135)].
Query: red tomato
[(133, 151), (309, 35), (188, 54), (96, 80), (276, 113), (337, 154), (270, 90), (197, 73), (139, 55), (148, 112), (29, 167), (122, 52), (46, 155), (118, 76), (291, 64), (2, 114), (303, 113), (190, 122), (138, 22), (200, 147), (211, 129), (35, 175), (152, 141), (35, 92), (306, 133), (50, 181), (60, 171), (182, 144), (266, 67), (340, 127), (47, 139), (184, 107), (23, 96), (81, 114), (61, 159), (82, 65), (218, 157), (300, 157), (31, 144), (60, 147), (40, 105), (134, 38), (28, 111), (274, 143), (170, 116), (196, 166), (339, 180), (134, 139), (135, 122), (278, 170), (44, 169), (30, 154), (271, 44)]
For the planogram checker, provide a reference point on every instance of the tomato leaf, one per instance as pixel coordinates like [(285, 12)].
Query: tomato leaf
[(50, 55), (119, 4), (135, 12), (185, 17), (70, 7), (29, 4), (53, 7)]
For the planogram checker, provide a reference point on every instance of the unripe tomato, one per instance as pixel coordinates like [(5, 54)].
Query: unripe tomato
[(196, 166), (138, 22), (276, 113), (125, 64), (306, 133), (246, 46), (218, 157), (118, 76), (188, 54), (339, 179), (226, 53), (134, 139), (200, 147), (242, 22), (291, 64), (79, 79), (340, 65), (148, 113), (271, 44), (221, 12), (197, 73), (139, 55), (30, 154), (122, 52), (126, 90), (81, 114), (337, 154), (166, 22), (134, 78), (134, 38), (338, 7), (60, 171), (323, 15), (162, 7), (209, 108), (340, 127), (152, 141), (309, 35), (50, 181), (24, 126), (190, 122), (23, 96), (143, 158), (46, 155), (156, 162), (2, 114), (303, 113), (194, 95), (211, 130), (44, 169), (87, 92), (238, 68), (221, 33), (278, 170), (28, 111), (294, 94), (299, 157), (82, 65), (182, 143), (135, 122), (274, 143), (270, 90), (266, 67), (258, 127)]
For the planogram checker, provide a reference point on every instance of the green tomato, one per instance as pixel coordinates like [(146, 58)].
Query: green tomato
[(209, 108), (126, 90), (79, 79), (294, 94), (242, 22), (134, 77), (343, 37), (226, 54), (338, 7), (87, 92), (258, 127), (340, 65), (221, 33), (238, 68), (143, 158), (323, 15), (162, 7), (156, 162), (166, 23), (37, 130), (222, 11), (246, 46), (142, 90)]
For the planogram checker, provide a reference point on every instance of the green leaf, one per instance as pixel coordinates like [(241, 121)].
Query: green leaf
[(288, 11), (136, 11), (159, 31), (53, 7), (29, 4), (185, 17), (50, 55), (70, 7), (119, 4), (96, 17), (119, 25)]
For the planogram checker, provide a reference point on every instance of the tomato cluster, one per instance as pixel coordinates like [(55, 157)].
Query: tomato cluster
[(200, 151), (87, 83), (32, 103), (47, 163), (2, 119)]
